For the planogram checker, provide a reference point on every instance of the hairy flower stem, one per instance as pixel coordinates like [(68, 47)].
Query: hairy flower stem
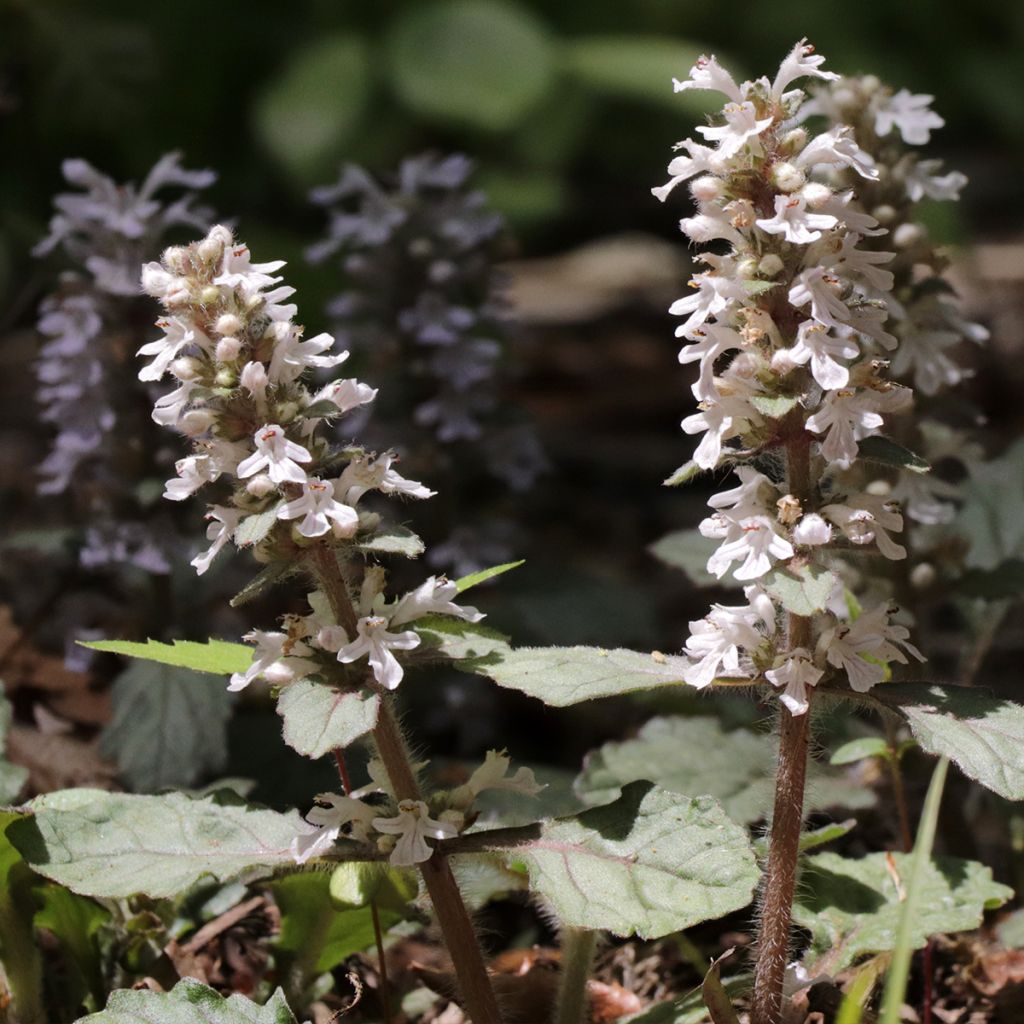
[(452, 915), (779, 883), (578, 946)]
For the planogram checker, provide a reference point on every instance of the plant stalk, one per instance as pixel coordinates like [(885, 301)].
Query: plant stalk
[(578, 946)]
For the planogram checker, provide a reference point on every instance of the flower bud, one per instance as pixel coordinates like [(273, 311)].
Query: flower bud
[(787, 177), (226, 378), (747, 268), (783, 362), (770, 265), (706, 188), (196, 422), (175, 258), (227, 349), (908, 235), (228, 324), (209, 295), (923, 576), (254, 379), (884, 214), (331, 638), (260, 486), (812, 530), (879, 488), (286, 412), (793, 141), (186, 368), (815, 194)]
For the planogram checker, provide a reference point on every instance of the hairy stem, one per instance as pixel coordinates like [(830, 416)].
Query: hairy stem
[(779, 883), (578, 946)]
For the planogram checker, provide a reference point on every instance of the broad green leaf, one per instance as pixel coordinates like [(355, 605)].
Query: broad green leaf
[(687, 550), (311, 108), (319, 718), (683, 475), (689, 1009), (189, 1002), (118, 844), (459, 640), (262, 581), (465, 582), (357, 883), (649, 864), (252, 529), (981, 734), (169, 726), (852, 907), (877, 448), (218, 657), (19, 953), (990, 516), (74, 922), (802, 590), (393, 540), (315, 935), (485, 63), (12, 776), (1006, 580), (696, 756), (859, 749)]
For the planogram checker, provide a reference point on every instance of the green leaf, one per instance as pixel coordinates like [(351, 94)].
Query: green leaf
[(262, 581), (774, 406), (357, 883), (252, 529), (316, 936), (169, 726), (690, 1009), (19, 953), (852, 907), (881, 449), (697, 756), (465, 582), (981, 734), (649, 864), (1006, 580), (687, 550), (310, 110), (189, 1002), (683, 475), (393, 540), (481, 62), (990, 515), (459, 640), (635, 67), (802, 589), (814, 838), (324, 409), (12, 776), (859, 749), (119, 844), (319, 718), (218, 657), (755, 287), (74, 921)]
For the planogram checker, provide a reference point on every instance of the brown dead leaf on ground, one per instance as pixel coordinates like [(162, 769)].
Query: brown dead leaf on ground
[(58, 761)]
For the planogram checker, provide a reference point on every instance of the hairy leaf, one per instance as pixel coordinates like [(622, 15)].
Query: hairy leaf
[(356, 883), (852, 907), (990, 515), (393, 540), (858, 749), (118, 844), (773, 406), (12, 776), (189, 1002), (688, 550), (219, 657), (689, 1009), (877, 448), (169, 726), (981, 734), (262, 581), (648, 864), (802, 590), (252, 529), (485, 574), (319, 718), (697, 756), (684, 474), (74, 922)]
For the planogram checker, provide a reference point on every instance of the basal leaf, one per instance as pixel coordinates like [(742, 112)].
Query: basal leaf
[(802, 590), (688, 550), (169, 726), (852, 907), (981, 734), (877, 448), (19, 953), (393, 540), (189, 1002), (357, 883), (485, 574), (74, 922), (218, 657), (649, 864), (12, 776), (319, 718), (118, 844)]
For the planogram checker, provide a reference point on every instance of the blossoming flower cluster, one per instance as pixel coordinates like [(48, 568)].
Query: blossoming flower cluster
[(788, 326), (239, 363), (422, 303)]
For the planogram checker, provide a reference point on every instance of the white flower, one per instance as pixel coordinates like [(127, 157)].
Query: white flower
[(837, 147), (795, 674), (292, 356), (853, 262), (845, 417), (821, 290), (712, 341), (710, 224), (744, 500), (414, 826), (432, 597), (799, 63), (223, 522), (682, 168), (374, 640), (277, 455), (722, 418), (329, 820), (753, 540), (277, 658), (865, 519), (193, 472), (908, 113), (708, 74), (177, 335), (870, 636), (319, 507), (254, 379), (169, 408), (714, 292), (742, 127), (814, 344), (365, 473), (793, 220), (715, 641), (493, 774), (169, 288), (812, 530)]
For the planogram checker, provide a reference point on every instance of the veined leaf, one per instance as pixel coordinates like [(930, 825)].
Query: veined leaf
[(218, 657), (774, 406), (877, 448), (393, 540), (990, 516), (802, 590), (859, 749), (319, 718), (262, 581), (688, 550), (684, 474), (252, 529), (465, 582)]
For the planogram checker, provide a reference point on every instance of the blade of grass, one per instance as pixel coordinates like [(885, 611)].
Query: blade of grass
[(852, 1009), (899, 969)]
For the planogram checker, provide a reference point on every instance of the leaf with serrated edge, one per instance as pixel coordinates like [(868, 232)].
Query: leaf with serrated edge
[(218, 657), (649, 864), (393, 540), (252, 529), (264, 579), (981, 734), (119, 844), (852, 907), (802, 590), (189, 1002), (465, 582), (688, 550), (319, 718)]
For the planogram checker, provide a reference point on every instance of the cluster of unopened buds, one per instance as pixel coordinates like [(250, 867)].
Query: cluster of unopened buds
[(799, 307), (239, 361)]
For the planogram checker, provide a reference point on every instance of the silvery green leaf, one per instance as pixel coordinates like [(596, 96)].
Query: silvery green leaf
[(318, 718)]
